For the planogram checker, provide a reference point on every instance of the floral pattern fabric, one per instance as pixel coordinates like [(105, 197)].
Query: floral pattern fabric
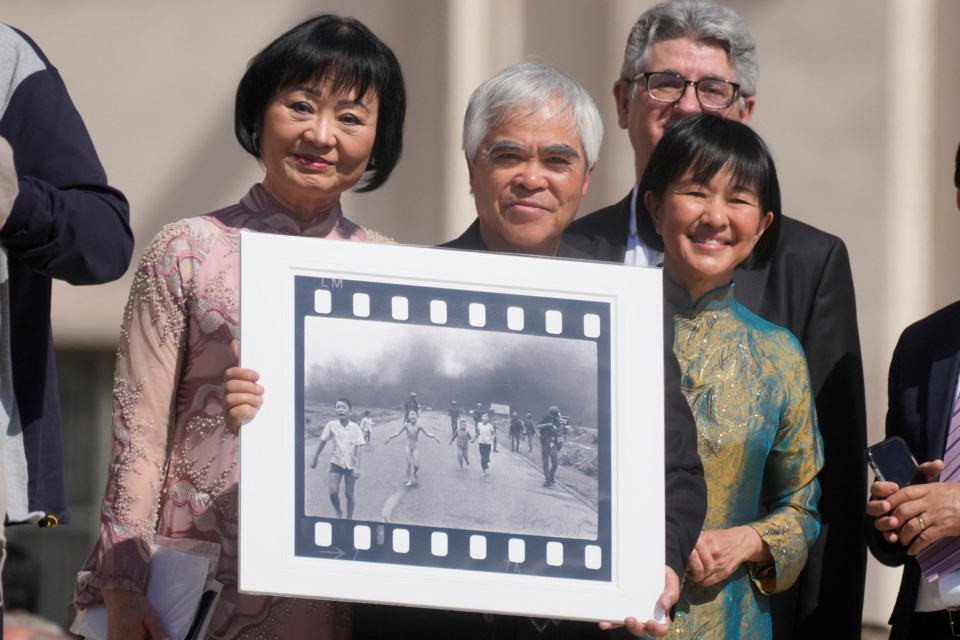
[(174, 465)]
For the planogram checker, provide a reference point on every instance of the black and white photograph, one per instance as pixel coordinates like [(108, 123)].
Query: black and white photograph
[(386, 445), (465, 430)]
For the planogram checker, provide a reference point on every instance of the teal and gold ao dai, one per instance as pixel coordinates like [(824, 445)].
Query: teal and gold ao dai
[(746, 381)]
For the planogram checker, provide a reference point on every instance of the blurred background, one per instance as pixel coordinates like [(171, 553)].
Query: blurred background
[(857, 99)]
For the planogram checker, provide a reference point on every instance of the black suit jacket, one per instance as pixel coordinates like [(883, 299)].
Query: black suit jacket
[(470, 240), (920, 390), (808, 289), (686, 507)]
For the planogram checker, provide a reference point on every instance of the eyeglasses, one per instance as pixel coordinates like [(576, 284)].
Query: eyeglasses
[(670, 87)]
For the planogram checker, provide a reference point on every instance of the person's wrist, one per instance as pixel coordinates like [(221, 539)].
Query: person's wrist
[(753, 544)]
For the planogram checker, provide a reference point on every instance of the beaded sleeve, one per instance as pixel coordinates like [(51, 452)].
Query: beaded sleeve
[(149, 359), (790, 487)]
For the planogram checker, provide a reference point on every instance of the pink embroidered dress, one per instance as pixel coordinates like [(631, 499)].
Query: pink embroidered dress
[(174, 466)]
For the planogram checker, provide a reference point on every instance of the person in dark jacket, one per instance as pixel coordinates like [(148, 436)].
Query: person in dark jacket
[(59, 219), (507, 131), (696, 56), (914, 526)]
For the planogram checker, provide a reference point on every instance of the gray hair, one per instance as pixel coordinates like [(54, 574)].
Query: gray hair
[(701, 21), (522, 90)]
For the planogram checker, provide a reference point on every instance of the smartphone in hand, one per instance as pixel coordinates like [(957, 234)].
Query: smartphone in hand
[(892, 461)]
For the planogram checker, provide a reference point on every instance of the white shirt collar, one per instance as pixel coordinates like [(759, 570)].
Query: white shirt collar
[(638, 253)]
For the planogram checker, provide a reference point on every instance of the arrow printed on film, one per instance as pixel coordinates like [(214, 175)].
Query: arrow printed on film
[(335, 553)]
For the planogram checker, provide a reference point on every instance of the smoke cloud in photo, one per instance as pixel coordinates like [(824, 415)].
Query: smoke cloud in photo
[(378, 364)]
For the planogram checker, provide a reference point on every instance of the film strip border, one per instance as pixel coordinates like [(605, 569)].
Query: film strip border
[(393, 543)]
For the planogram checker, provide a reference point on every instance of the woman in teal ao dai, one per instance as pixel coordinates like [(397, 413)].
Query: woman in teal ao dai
[(712, 193)]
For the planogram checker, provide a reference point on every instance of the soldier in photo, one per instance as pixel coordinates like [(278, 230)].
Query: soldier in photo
[(454, 416), (550, 444), (516, 432), (411, 405), (477, 418)]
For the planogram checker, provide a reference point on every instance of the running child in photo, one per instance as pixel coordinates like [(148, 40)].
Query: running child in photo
[(366, 424), (345, 460), (487, 439), (463, 438), (529, 431), (412, 452)]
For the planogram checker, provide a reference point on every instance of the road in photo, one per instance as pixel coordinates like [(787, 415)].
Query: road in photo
[(511, 498)]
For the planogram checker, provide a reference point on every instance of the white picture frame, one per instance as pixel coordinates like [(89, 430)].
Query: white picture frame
[(461, 541)]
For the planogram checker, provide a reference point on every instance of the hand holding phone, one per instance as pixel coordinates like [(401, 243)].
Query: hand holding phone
[(892, 461)]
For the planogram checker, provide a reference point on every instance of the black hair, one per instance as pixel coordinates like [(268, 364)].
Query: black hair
[(345, 52), (349, 404), (706, 144), (956, 170)]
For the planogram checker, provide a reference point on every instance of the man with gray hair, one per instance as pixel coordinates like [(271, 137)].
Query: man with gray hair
[(531, 136), (691, 56)]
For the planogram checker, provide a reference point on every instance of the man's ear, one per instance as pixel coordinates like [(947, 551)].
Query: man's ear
[(621, 95), (470, 169), (747, 112), (586, 181), (652, 204)]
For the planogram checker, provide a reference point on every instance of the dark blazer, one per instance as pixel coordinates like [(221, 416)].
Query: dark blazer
[(686, 507), (808, 289), (67, 224), (470, 240), (920, 389)]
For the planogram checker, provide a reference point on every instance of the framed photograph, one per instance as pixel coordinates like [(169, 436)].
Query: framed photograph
[(452, 429)]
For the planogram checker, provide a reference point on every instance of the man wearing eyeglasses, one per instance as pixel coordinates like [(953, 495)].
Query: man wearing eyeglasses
[(686, 57)]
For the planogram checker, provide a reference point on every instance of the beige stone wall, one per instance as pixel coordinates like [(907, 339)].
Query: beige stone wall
[(858, 100)]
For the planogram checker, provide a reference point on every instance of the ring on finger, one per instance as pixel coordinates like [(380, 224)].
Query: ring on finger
[(923, 527)]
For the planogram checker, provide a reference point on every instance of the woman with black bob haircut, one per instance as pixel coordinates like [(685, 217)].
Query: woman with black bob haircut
[(712, 192), (343, 52), (322, 110), (707, 146)]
